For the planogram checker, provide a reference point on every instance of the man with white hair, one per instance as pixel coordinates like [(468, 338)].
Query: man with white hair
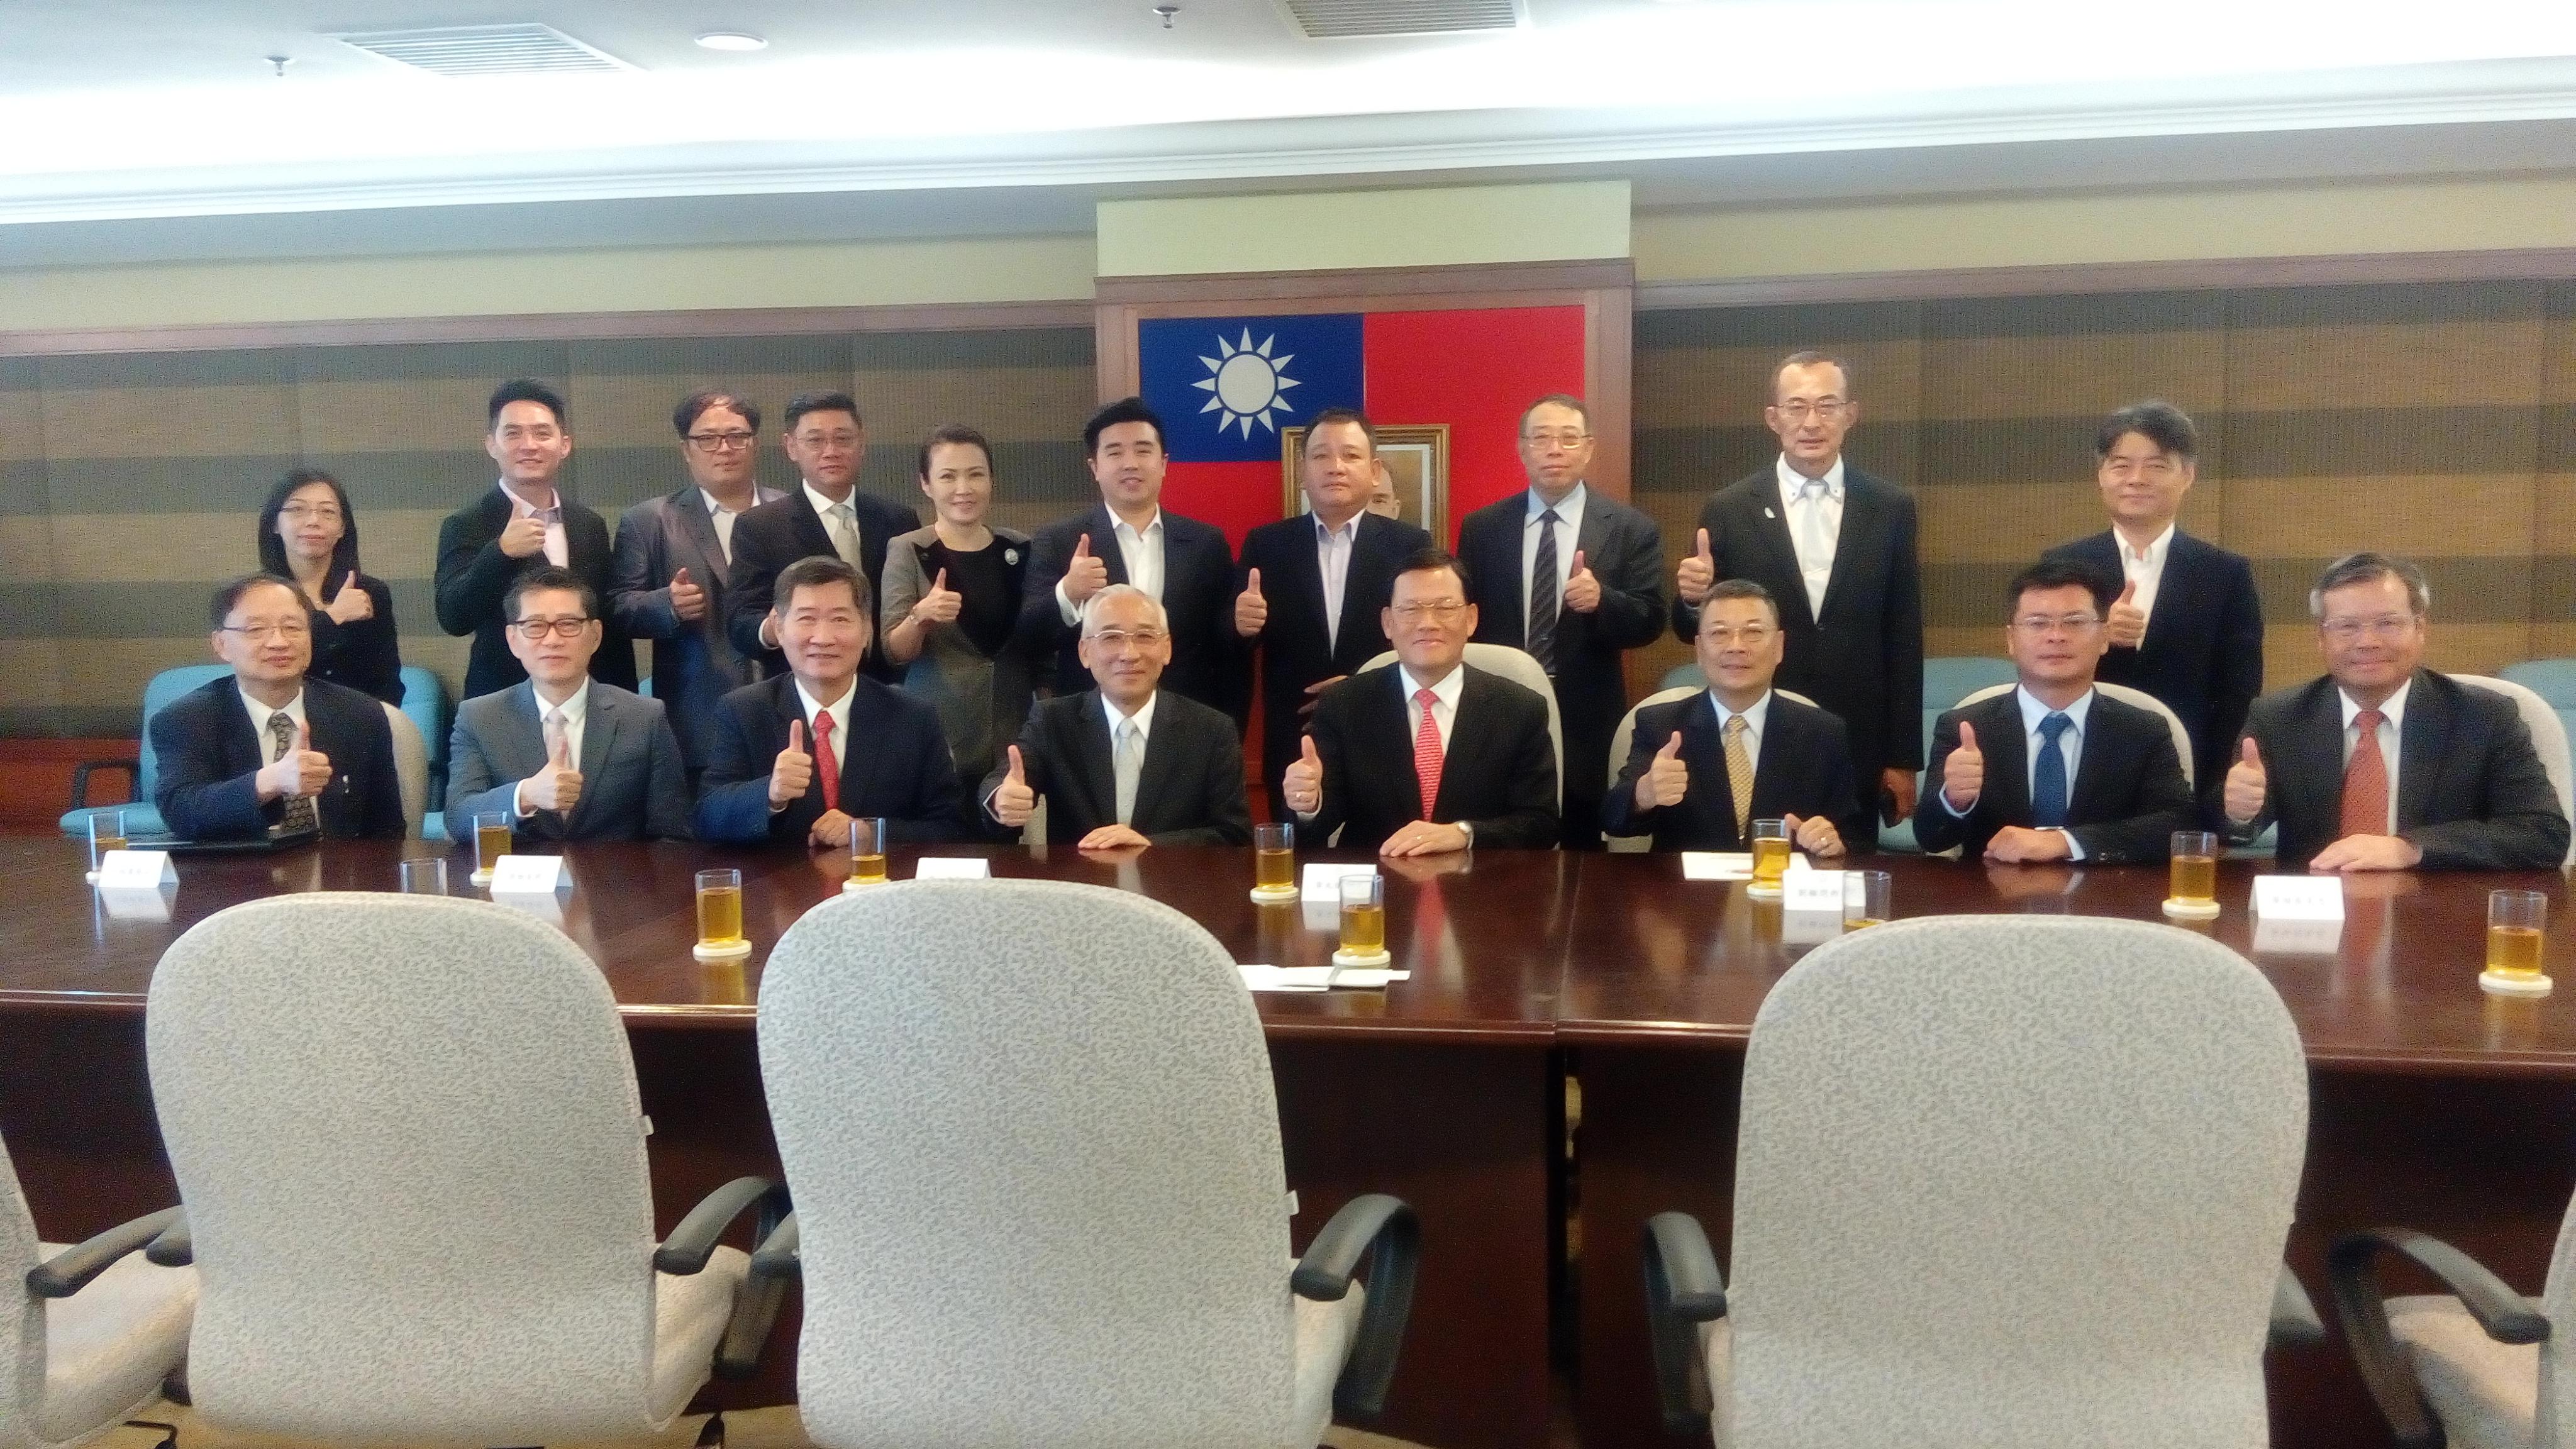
[(1123, 764)]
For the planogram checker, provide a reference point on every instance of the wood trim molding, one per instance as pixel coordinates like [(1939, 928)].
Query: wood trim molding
[(2503, 265), (1383, 289)]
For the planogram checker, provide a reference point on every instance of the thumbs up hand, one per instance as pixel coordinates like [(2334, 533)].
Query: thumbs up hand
[(558, 785), (2247, 783), (1963, 773), (2128, 622), (352, 603), (1251, 611), (1697, 573), (1014, 801), (525, 537), (1085, 575), (303, 770), (793, 771), (687, 599), (1582, 590), (1303, 785), (939, 606), (1666, 779)]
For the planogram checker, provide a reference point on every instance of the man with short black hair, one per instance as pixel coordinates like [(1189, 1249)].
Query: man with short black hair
[(828, 516)]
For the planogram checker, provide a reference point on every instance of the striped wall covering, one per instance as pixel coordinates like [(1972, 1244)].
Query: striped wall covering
[(130, 483), (2436, 421)]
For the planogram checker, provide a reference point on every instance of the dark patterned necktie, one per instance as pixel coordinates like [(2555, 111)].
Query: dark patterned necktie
[(300, 814), (1542, 611)]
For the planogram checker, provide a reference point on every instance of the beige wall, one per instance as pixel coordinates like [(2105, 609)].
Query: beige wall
[(1328, 231)]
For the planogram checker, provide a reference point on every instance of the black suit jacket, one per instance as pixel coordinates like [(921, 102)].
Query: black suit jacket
[(1296, 648), (2124, 804), (364, 654), (768, 538), (1499, 775), (1804, 769), (1189, 793), (2471, 792), (209, 755), (1862, 661), (2203, 654), (474, 576), (1198, 595), (895, 765)]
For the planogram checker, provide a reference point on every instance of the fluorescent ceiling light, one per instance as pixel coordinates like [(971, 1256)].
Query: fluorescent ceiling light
[(732, 40)]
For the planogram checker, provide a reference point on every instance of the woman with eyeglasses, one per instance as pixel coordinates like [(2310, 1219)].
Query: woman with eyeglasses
[(309, 533), (952, 604)]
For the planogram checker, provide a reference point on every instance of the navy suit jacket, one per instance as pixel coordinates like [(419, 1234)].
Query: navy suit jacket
[(2123, 806), (1804, 769), (1297, 649), (2203, 654), (895, 765), (209, 756), (474, 576), (632, 782), (768, 538), (1499, 775), (1190, 791), (1198, 595), (694, 664)]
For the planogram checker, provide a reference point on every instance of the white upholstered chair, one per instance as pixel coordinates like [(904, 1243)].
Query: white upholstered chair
[(1523, 669), (411, 768), (98, 1328), (2001, 1182), (1034, 1146), (2135, 698), (1625, 736), (2548, 737), (410, 1151)]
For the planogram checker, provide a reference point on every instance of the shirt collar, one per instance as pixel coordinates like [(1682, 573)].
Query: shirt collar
[(2394, 707), (2156, 551), (293, 709), (1791, 480), (1756, 714), (1446, 691), (823, 505), (840, 708), (576, 709), (2033, 710), (1152, 525), (1347, 533), (1568, 508), (1144, 715), (523, 506), (715, 509)]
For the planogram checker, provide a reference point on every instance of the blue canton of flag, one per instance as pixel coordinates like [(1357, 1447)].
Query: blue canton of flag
[(1226, 385)]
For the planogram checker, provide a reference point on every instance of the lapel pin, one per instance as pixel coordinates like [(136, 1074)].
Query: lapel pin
[(1010, 555), (1767, 513)]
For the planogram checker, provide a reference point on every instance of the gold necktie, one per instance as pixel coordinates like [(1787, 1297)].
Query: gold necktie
[(1739, 775)]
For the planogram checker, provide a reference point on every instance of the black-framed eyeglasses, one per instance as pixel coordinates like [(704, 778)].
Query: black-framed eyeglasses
[(721, 442), (533, 630)]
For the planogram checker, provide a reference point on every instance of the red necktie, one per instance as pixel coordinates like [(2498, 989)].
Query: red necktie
[(2365, 780), (1426, 752), (824, 764)]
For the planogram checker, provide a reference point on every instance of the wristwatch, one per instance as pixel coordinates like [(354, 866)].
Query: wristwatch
[(1468, 831)]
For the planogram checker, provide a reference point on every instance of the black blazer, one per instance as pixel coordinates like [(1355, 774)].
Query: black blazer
[(2471, 792), (896, 766), (1296, 648), (1804, 769), (1863, 661), (1499, 775), (365, 654), (2124, 804), (1190, 792), (2203, 654), (1198, 594), (1625, 551), (768, 538), (474, 575), (209, 755)]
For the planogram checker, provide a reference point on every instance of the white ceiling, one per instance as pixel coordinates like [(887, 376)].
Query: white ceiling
[(156, 128)]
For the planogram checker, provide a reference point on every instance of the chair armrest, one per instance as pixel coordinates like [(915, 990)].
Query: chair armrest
[(2294, 1314), (694, 1241), (2352, 1275), (1384, 1229), (72, 1269), (777, 1256), (176, 1247), (1683, 1290), (80, 779)]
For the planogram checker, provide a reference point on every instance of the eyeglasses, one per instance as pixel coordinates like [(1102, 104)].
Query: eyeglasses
[(1118, 639), (829, 442), (301, 512), (2053, 623), (1824, 411), (1569, 441), (721, 442), (261, 633), (1442, 611), (1752, 636), (2386, 626), (533, 630)]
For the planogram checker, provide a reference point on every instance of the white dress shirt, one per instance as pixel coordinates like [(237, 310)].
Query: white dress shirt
[(2070, 746), (840, 708), (1141, 552), (1569, 527), (576, 716), (1756, 715), (1815, 564), (294, 709), (2392, 725), (723, 518), (1143, 719), (845, 537), (2146, 570), (558, 547), (1333, 560), (1444, 704)]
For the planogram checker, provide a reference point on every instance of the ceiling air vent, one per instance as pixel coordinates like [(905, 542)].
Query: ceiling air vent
[(1343, 19), (485, 50)]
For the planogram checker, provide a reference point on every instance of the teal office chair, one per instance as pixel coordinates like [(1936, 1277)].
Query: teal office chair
[(2553, 680), (425, 700), (140, 817)]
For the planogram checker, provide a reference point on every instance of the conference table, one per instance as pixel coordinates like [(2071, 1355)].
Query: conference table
[(2431, 1103)]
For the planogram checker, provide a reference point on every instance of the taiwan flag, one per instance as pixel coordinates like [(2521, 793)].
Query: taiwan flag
[(1226, 386)]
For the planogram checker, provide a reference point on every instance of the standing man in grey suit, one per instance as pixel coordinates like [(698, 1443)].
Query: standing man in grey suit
[(675, 557), (563, 755), (1836, 547)]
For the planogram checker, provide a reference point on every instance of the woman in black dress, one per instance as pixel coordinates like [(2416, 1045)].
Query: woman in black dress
[(308, 533), (952, 602)]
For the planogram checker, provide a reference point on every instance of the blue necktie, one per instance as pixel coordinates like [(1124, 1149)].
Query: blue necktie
[(2048, 779)]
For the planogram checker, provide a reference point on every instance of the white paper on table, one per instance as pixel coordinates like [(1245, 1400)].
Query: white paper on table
[(1285, 978), (1717, 865), (1368, 978), (528, 875), (136, 870), (952, 867), (1324, 882), (2298, 897)]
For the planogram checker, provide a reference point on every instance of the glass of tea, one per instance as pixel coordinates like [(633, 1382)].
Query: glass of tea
[(2516, 921), (106, 833), (2193, 888), (425, 875), (1868, 898), (867, 852), (1769, 843), (1274, 862), (1363, 920), (720, 915), (491, 842)]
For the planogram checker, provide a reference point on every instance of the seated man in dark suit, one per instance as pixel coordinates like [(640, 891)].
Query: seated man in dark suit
[(1701, 770), (563, 755), (2051, 770), (765, 783), (269, 750), (1126, 763), (1426, 756), (2384, 764)]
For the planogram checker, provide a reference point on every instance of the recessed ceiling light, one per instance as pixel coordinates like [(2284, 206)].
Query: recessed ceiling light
[(732, 40)]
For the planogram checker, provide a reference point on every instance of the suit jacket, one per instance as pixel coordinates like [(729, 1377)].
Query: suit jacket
[(1499, 775), (363, 654), (1296, 648), (632, 783), (1190, 791), (778, 533), (2203, 654), (1198, 594), (1804, 769), (2124, 804), (1863, 659), (209, 756), (2471, 792), (896, 765), (694, 664), (474, 576)]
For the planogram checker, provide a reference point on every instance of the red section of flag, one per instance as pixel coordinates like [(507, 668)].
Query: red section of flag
[(1474, 369), (1237, 497)]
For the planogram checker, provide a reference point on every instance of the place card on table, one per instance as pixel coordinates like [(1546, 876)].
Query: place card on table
[(136, 870), (1324, 882), (2275, 936), (952, 867), (136, 903), (2298, 897), (1812, 891), (529, 875)]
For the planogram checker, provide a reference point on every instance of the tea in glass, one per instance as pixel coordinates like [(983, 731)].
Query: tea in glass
[(1363, 919), (1770, 846), (1274, 862), (2516, 922), (2192, 876), (491, 842), (720, 914)]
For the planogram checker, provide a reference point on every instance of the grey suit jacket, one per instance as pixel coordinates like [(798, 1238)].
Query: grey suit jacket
[(694, 664), (632, 785)]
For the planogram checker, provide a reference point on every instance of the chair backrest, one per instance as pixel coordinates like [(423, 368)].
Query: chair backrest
[(2548, 737), (1948, 681), (411, 764), (1521, 668), (408, 1136), (2012, 1181), (158, 693), (20, 1251), (425, 700), (2134, 698), (1034, 1147)]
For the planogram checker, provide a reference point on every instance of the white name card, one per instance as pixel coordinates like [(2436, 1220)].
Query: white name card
[(133, 870), (528, 875), (1716, 865), (952, 867), (1812, 890), (1324, 882), (2298, 897)]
